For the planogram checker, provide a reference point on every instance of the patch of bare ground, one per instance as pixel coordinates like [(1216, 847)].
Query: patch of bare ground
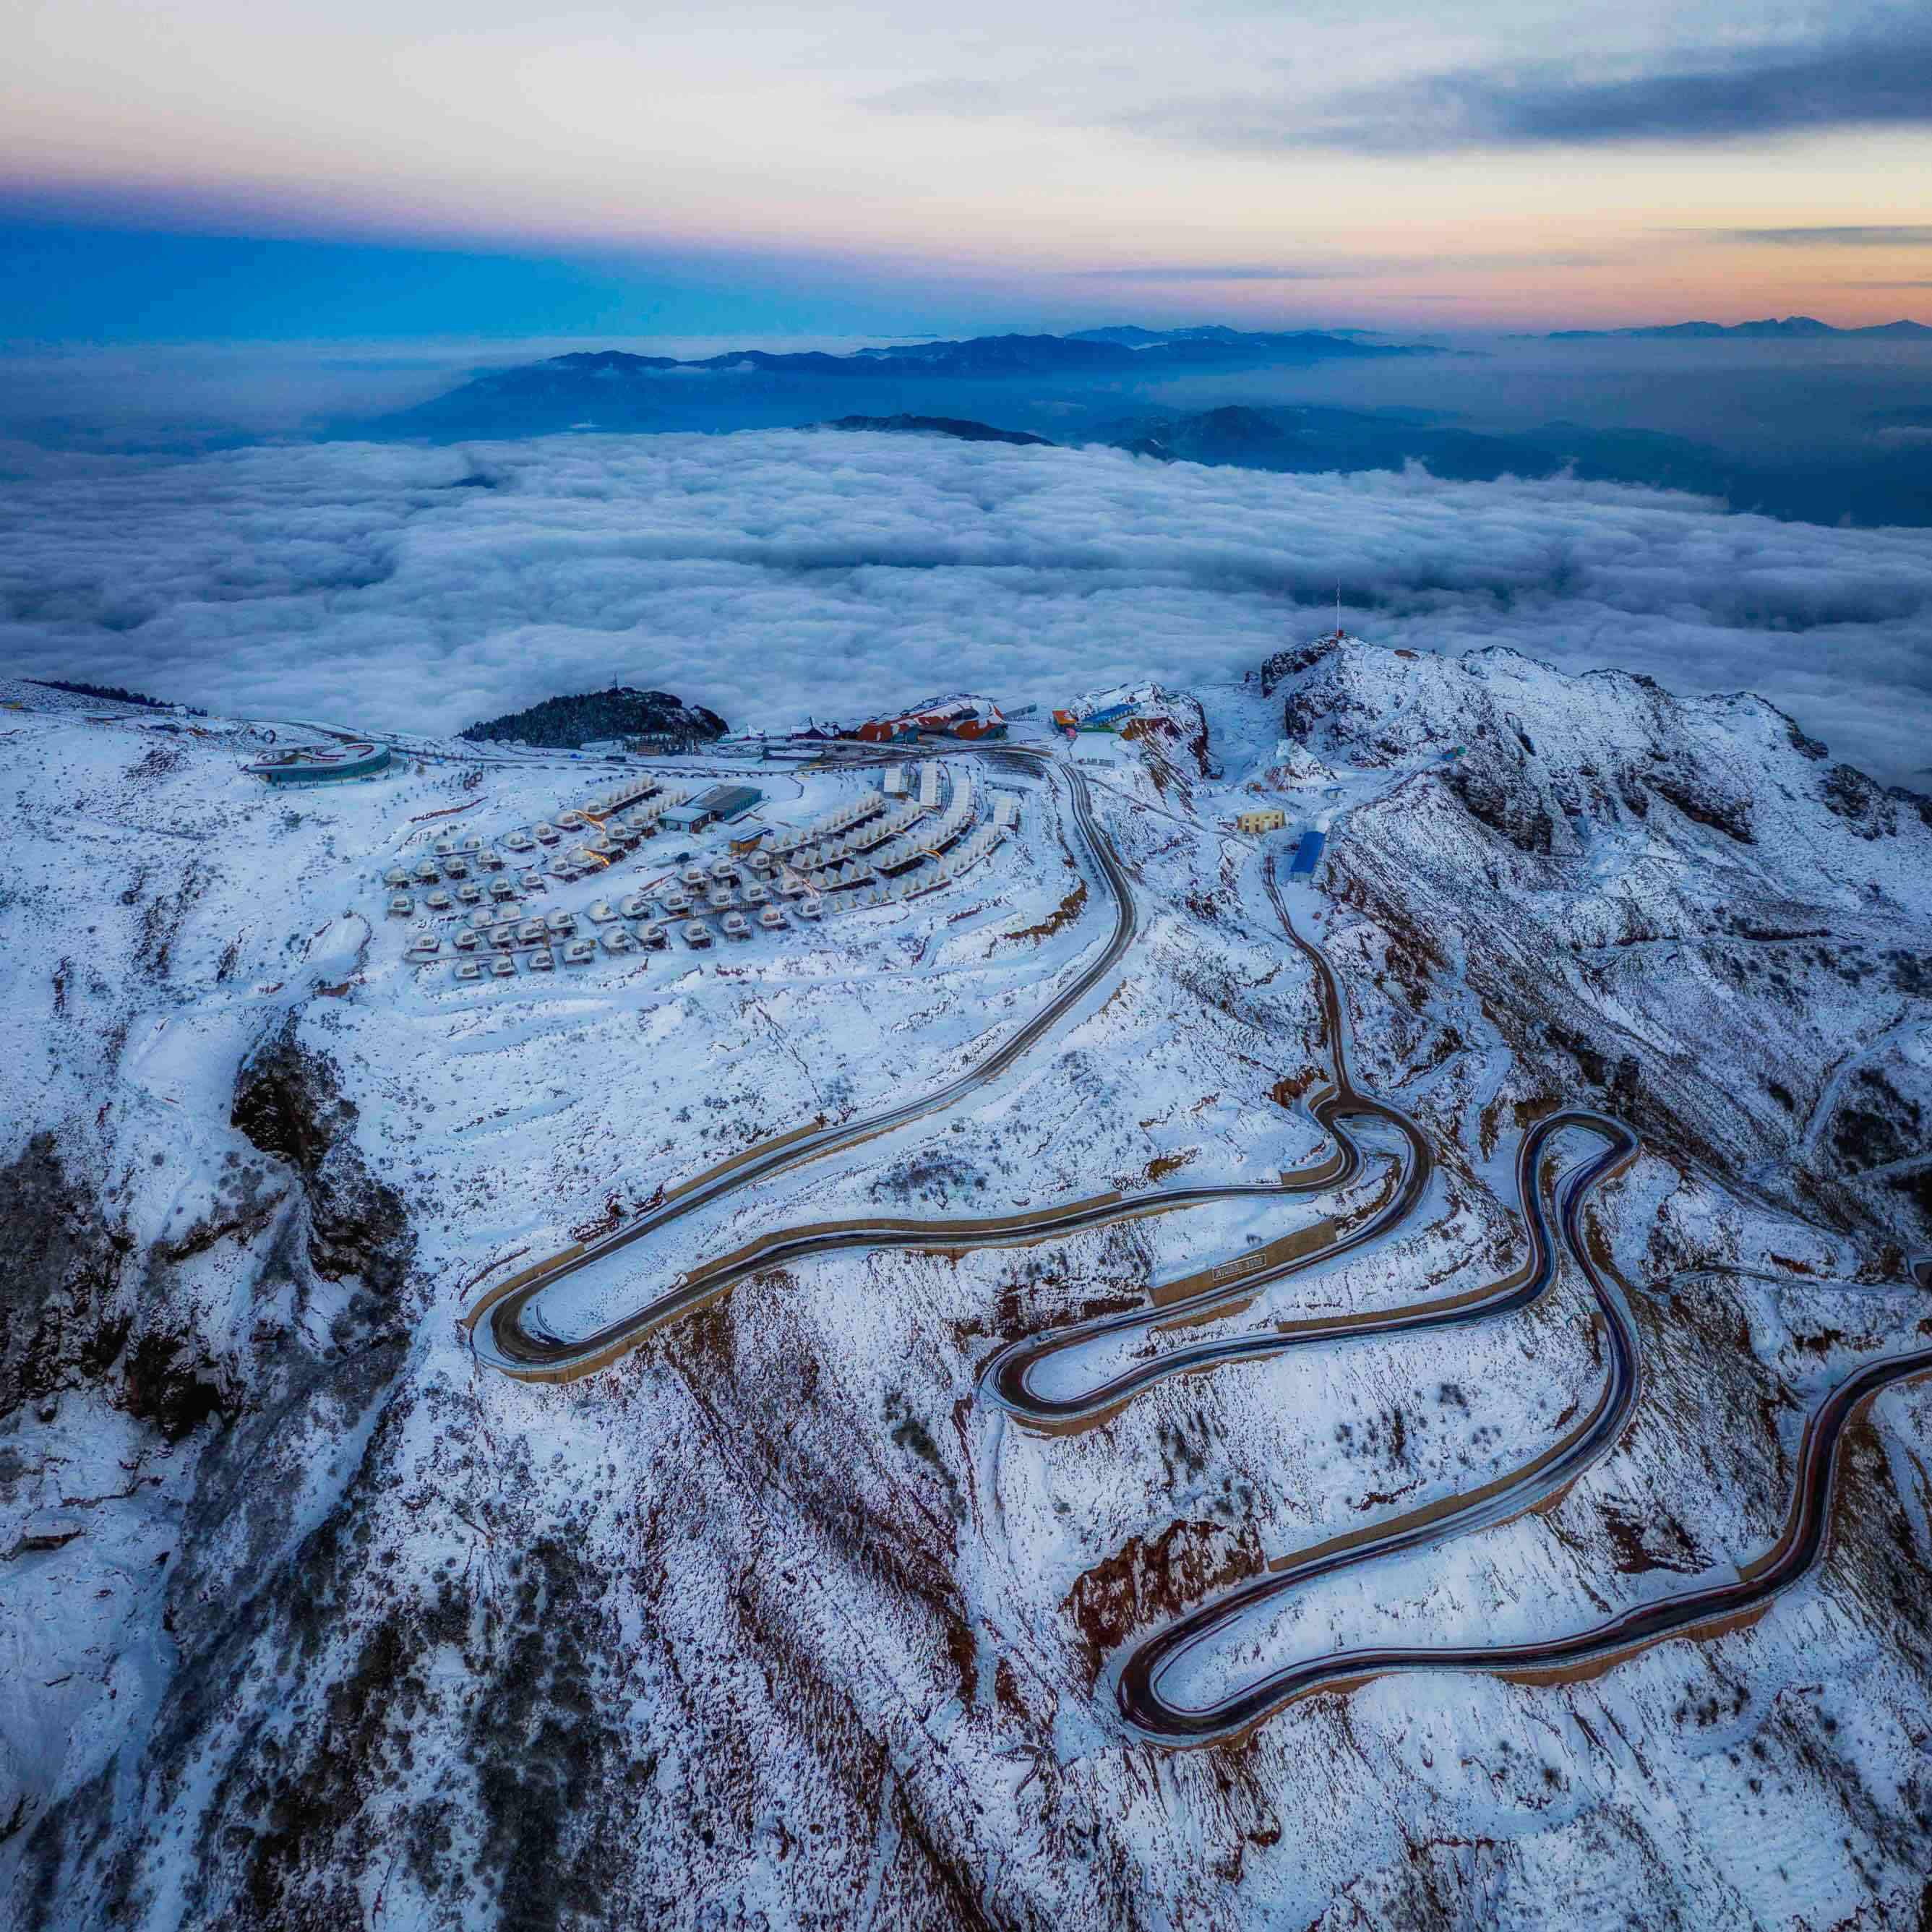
[(860, 1806), (1698, 1360), (1288, 1090), (1063, 915), (1875, 1556), (888, 1505), (1151, 1581), (1411, 956)]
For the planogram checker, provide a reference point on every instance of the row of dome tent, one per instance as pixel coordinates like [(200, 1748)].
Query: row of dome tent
[(881, 823), (853, 812), (910, 885), (495, 949)]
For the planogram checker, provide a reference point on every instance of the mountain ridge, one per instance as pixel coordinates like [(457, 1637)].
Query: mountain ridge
[(1787, 329), (614, 389)]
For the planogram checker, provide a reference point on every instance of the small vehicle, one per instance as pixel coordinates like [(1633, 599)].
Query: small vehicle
[(579, 953), (504, 966), (562, 922), (615, 939), (469, 969), (772, 919), (438, 902), (736, 926), (469, 894), (634, 905), (650, 937), (545, 834), (401, 905), (540, 961), (810, 906), (697, 933), (599, 912)]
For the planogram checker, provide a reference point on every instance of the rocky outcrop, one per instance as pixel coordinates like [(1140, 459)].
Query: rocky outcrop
[(1155, 1578), (1873, 810), (1176, 726), (1619, 745), (289, 1101), (60, 1277), (68, 1317), (1278, 669)]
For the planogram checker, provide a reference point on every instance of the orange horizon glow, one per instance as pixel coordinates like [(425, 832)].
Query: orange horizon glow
[(1203, 164)]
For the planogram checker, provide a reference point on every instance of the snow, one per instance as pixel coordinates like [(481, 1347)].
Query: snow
[(791, 1595)]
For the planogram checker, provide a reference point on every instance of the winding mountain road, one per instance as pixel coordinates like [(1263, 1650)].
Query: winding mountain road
[(507, 1332)]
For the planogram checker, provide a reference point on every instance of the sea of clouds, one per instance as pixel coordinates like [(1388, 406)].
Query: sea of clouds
[(776, 574)]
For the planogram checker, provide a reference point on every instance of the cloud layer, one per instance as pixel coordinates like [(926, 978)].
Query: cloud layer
[(775, 573), (1874, 72)]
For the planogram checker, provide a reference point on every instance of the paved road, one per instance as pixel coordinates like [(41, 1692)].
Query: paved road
[(512, 1328), (509, 1333)]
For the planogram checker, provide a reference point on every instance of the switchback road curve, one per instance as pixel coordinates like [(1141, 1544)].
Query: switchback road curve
[(509, 1334)]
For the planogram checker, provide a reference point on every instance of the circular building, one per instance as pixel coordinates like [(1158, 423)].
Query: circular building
[(321, 764)]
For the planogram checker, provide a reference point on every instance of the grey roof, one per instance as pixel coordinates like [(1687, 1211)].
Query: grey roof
[(727, 801)]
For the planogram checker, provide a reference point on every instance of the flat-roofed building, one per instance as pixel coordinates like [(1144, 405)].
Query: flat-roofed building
[(719, 806)]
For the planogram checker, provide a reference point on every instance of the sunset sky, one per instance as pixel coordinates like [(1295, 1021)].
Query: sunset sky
[(213, 168)]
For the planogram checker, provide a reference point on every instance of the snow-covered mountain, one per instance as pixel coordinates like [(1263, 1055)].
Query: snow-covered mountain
[(311, 1616)]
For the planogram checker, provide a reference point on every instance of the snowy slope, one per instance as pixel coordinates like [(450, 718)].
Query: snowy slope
[(310, 1617)]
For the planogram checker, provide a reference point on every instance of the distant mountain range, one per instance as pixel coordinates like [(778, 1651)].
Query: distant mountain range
[(611, 389), (1876, 484), (1790, 328)]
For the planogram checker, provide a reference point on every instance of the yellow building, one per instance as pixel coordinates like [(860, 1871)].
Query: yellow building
[(1269, 818)]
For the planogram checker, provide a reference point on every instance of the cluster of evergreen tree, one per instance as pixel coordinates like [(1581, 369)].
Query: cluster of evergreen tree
[(568, 723), (113, 692)]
